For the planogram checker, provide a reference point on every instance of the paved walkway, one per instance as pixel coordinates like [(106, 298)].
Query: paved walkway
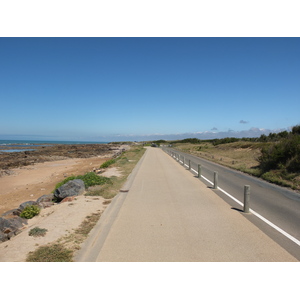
[(170, 215)]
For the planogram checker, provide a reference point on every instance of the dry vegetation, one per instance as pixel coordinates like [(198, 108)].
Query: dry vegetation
[(241, 155), (245, 156)]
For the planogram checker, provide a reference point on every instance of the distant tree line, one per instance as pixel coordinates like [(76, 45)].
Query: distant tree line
[(280, 150), (284, 153), (272, 137)]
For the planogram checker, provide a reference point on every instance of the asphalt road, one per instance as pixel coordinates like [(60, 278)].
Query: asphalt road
[(278, 205)]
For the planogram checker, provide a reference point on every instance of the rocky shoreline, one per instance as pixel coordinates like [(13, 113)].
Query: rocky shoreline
[(9, 160)]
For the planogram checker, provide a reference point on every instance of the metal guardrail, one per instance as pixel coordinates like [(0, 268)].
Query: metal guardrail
[(196, 168)]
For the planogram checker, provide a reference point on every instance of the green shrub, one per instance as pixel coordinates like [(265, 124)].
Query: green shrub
[(275, 177), (89, 179), (107, 163), (30, 211), (285, 153)]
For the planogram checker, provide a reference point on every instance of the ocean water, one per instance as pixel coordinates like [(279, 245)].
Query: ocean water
[(15, 145)]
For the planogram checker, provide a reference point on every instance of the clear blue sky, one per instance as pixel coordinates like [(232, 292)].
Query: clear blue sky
[(104, 89)]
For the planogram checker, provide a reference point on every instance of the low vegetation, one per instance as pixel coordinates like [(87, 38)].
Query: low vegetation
[(37, 231), (89, 179), (30, 211), (125, 164), (107, 163), (51, 253), (275, 158)]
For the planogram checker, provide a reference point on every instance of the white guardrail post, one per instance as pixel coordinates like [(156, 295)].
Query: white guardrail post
[(246, 198), (215, 180), (199, 171)]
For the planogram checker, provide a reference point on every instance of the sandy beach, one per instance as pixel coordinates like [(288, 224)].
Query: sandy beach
[(32, 181)]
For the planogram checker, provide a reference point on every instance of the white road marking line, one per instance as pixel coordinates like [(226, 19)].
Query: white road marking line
[(293, 239)]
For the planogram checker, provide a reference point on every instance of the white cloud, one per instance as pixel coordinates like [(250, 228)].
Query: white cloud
[(204, 135)]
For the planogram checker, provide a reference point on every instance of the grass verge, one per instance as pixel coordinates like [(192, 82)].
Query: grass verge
[(242, 156), (125, 164)]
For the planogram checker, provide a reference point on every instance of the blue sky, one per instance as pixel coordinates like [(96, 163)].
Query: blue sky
[(106, 89)]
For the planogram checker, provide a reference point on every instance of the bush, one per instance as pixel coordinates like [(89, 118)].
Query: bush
[(107, 163), (30, 211), (89, 179), (285, 153)]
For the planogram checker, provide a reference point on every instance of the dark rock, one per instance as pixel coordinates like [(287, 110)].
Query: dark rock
[(71, 188), (17, 222), (27, 203), (12, 212), (13, 223), (3, 237), (10, 226), (45, 198), (4, 223)]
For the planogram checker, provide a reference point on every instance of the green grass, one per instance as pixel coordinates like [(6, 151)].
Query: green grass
[(107, 163), (125, 163), (89, 179)]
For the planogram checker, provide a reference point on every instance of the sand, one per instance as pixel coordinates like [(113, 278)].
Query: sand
[(31, 182), (60, 220)]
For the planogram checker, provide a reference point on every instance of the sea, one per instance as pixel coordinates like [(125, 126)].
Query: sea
[(26, 145)]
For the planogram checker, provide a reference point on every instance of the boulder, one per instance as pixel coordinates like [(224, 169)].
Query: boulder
[(71, 188), (10, 227), (27, 203), (45, 198), (4, 223), (13, 223), (3, 237), (12, 212)]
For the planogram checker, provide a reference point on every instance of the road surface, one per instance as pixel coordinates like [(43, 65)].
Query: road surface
[(170, 215), (278, 205)]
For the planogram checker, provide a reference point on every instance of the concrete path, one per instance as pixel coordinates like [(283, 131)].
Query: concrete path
[(169, 215)]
